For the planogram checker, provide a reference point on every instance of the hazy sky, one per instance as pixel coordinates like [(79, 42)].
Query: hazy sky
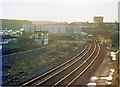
[(59, 10)]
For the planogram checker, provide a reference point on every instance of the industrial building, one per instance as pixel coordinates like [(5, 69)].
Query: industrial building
[(98, 19), (53, 29)]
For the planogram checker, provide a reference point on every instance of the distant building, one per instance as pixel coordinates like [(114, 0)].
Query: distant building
[(11, 24), (48, 23), (98, 19), (41, 37), (53, 29), (112, 25)]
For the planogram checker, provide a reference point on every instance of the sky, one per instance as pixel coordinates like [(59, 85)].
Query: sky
[(59, 10)]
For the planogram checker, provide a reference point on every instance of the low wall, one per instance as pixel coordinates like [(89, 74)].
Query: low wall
[(32, 53)]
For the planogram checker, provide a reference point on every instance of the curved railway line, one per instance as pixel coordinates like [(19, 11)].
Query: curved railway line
[(68, 72)]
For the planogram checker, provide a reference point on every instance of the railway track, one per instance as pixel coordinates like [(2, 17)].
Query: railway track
[(68, 72), (77, 72)]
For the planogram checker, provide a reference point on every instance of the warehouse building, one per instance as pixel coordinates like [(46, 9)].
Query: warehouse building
[(53, 29)]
